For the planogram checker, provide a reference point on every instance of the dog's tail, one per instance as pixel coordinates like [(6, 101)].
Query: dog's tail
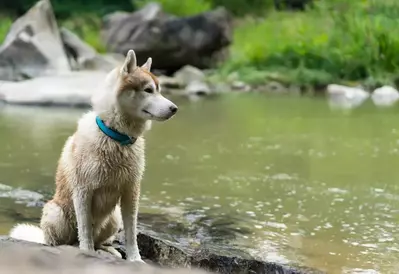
[(27, 232)]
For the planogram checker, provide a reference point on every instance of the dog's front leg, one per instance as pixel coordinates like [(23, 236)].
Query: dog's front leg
[(82, 199), (129, 207)]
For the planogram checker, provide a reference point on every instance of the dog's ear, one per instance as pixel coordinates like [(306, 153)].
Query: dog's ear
[(130, 63), (147, 65)]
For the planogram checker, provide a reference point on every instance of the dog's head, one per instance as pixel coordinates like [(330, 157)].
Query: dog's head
[(135, 92), (139, 92)]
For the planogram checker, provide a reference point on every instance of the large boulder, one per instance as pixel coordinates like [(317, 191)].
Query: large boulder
[(167, 254), (33, 46), (172, 42), (73, 89), (82, 56)]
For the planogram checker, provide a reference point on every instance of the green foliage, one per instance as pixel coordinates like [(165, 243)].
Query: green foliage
[(64, 9), (341, 40), (243, 7), (5, 23), (180, 8), (191, 7), (87, 26)]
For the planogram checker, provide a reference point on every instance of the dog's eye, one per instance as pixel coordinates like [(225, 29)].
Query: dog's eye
[(148, 90)]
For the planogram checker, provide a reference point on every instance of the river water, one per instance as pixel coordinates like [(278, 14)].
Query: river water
[(282, 179)]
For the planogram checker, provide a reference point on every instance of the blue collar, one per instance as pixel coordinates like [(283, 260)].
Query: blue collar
[(122, 139)]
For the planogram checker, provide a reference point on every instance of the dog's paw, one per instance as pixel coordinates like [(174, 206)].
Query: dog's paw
[(136, 260), (110, 250)]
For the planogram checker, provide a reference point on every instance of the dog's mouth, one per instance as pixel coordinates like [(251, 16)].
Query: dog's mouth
[(149, 113), (154, 117)]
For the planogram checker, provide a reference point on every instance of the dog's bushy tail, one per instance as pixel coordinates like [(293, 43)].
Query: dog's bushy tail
[(27, 232)]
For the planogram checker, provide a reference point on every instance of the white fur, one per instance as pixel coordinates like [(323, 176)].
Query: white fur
[(27, 232)]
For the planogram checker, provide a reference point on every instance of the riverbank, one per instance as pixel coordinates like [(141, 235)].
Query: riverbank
[(348, 43)]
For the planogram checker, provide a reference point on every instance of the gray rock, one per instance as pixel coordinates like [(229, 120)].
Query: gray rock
[(240, 86), (167, 254), (385, 96), (33, 46), (25, 258), (199, 40), (188, 74), (38, 258), (275, 87), (21, 59), (345, 97), (69, 89), (197, 88), (170, 82), (84, 57)]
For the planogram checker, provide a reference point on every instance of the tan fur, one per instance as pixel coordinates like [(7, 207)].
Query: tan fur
[(97, 179)]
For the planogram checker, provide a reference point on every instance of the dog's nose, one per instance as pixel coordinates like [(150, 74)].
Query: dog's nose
[(173, 109)]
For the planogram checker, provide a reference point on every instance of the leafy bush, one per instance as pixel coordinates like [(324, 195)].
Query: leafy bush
[(180, 8), (5, 23), (345, 40)]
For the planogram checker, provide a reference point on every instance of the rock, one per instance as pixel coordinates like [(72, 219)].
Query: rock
[(69, 89), (167, 254), (30, 198), (385, 96), (194, 81), (172, 42), (40, 259), (295, 89), (37, 258), (170, 82), (344, 97), (25, 258), (188, 74), (33, 46), (197, 88), (21, 59), (275, 87), (84, 57), (240, 86)]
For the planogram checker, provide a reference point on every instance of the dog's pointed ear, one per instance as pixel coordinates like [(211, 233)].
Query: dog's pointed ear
[(147, 65), (130, 63)]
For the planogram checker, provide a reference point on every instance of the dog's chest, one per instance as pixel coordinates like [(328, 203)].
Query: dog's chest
[(115, 172), (124, 166)]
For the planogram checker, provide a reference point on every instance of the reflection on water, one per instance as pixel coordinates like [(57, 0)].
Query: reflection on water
[(283, 179)]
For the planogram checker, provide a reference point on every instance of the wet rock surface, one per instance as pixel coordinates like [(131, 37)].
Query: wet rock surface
[(36, 258), (167, 254), (159, 248)]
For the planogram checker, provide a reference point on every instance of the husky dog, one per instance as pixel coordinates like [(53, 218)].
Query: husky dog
[(101, 165)]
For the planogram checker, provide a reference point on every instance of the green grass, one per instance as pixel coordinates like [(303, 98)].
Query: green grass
[(355, 41), (180, 7), (5, 24), (87, 26)]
